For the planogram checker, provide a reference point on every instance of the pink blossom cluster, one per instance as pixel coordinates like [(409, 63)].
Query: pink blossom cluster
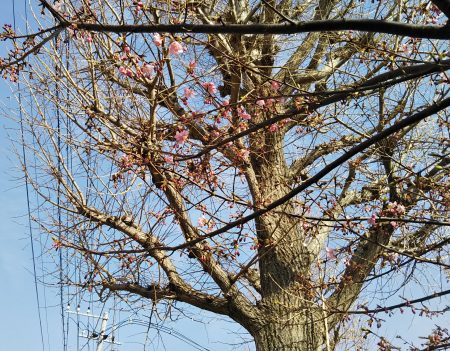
[(373, 219), (126, 71), (210, 87), (87, 37), (157, 39), (395, 209), (275, 85), (176, 48), (202, 221), (191, 67), (242, 113), (188, 93), (273, 127), (139, 6), (147, 70), (168, 159), (243, 154), (393, 257), (181, 136), (331, 253), (126, 162)]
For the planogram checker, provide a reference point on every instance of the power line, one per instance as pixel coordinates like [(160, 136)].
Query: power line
[(30, 230), (58, 201)]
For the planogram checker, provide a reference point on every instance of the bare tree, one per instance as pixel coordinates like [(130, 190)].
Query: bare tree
[(268, 161)]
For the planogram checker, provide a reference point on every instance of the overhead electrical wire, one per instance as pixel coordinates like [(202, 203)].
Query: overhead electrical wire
[(37, 210), (69, 161), (30, 228), (161, 328), (58, 202)]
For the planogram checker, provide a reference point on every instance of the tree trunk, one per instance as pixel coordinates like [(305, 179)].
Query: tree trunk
[(293, 333), (290, 320)]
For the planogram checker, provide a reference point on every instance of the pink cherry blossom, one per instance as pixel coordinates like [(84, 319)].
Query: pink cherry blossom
[(175, 48), (273, 127), (88, 38), (275, 85), (401, 209), (126, 71), (168, 158), (139, 6), (243, 154), (157, 40), (202, 221), (181, 136), (260, 103), (397, 208), (393, 257), (147, 70), (188, 93), (191, 67), (126, 161), (210, 87), (331, 253), (243, 114), (214, 134), (126, 49), (394, 224), (404, 48), (269, 102), (372, 220)]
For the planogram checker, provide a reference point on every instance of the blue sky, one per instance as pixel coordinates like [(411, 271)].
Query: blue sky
[(20, 325)]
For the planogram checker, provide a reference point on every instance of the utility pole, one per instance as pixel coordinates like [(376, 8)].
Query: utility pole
[(101, 337)]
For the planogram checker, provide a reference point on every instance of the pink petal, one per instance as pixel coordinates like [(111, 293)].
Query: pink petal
[(175, 48), (331, 253), (188, 93), (210, 87), (168, 158), (157, 40), (275, 85), (181, 136), (122, 70), (191, 67), (147, 70), (244, 115), (273, 128), (372, 220)]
